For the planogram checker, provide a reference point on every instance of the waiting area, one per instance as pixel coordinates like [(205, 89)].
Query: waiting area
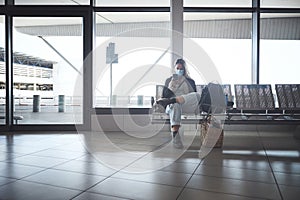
[(84, 112)]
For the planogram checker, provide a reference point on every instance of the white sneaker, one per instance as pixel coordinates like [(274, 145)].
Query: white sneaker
[(177, 143)]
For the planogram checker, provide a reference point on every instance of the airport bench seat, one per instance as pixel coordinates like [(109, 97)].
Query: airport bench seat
[(253, 102), (288, 96), (161, 117)]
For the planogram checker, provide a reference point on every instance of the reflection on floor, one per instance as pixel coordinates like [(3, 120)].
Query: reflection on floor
[(251, 165)]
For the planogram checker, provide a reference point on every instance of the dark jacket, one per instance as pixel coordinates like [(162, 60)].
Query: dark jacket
[(167, 93)]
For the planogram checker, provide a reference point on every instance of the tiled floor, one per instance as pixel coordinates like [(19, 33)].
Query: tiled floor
[(251, 165)]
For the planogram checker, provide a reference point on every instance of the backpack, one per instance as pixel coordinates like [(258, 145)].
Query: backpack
[(212, 99)]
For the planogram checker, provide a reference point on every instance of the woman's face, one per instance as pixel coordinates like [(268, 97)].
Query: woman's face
[(179, 69)]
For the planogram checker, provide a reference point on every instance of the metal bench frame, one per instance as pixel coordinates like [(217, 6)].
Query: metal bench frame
[(288, 96), (252, 99), (16, 118)]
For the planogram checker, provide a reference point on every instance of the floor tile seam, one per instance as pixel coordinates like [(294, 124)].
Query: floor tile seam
[(56, 186), (108, 195), (142, 181), (65, 161), (143, 142), (47, 134), (27, 139), (25, 165), (272, 171), (87, 189), (160, 170), (73, 159), (227, 178), (183, 188), (187, 173), (27, 154), (13, 180), (104, 155), (134, 143), (26, 143), (230, 167), (148, 171), (85, 173), (23, 154), (74, 172), (252, 158), (54, 148), (101, 194), (297, 186), (44, 156), (86, 151), (287, 173), (37, 172), (18, 154), (218, 192), (69, 144), (237, 167), (32, 165), (70, 159), (107, 177), (42, 169), (190, 162), (23, 180), (1, 176)]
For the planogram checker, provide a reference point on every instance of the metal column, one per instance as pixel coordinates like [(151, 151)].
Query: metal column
[(255, 42), (9, 106), (177, 29)]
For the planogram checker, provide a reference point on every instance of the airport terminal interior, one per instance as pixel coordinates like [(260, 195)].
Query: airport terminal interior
[(83, 87)]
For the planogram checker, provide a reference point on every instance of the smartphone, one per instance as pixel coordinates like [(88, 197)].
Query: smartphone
[(175, 76)]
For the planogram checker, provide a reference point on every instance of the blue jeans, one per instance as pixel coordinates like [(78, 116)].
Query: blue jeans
[(190, 106)]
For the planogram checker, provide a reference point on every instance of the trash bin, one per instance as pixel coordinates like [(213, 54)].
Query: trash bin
[(36, 103), (61, 103), (140, 100)]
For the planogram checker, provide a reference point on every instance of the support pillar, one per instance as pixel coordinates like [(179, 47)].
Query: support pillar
[(177, 29)]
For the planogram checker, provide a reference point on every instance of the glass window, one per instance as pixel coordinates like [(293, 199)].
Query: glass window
[(2, 71), (122, 3), (131, 57), (221, 45), (279, 49), (2, 2), (280, 3), (217, 3), (48, 57), (52, 2)]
